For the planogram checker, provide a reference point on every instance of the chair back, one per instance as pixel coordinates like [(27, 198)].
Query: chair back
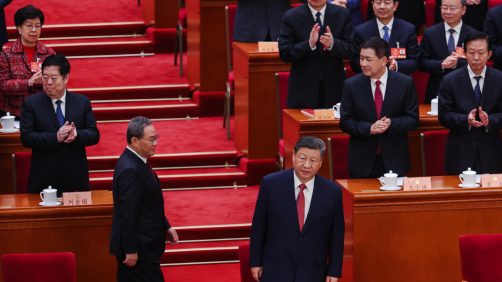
[(281, 92), (230, 11), (244, 264), (39, 267), (22, 164), (430, 12), (493, 3), (421, 79), (338, 156), (363, 5), (481, 257), (433, 146)]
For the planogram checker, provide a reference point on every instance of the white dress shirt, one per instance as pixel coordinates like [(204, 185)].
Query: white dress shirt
[(474, 81), (381, 25), (136, 153), (63, 104), (456, 34), (383, 84)]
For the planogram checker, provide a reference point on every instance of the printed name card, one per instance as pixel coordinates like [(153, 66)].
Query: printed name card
[(324, 114), (398, 53), (417, 184), (268, 46), (491, 180), (77, 198)]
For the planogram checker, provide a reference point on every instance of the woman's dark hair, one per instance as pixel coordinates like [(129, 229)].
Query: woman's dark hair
[(27, 13)]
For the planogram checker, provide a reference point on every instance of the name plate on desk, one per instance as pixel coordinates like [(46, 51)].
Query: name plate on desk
[(417, 183), (268, 46), (491, 180), (77, 198)]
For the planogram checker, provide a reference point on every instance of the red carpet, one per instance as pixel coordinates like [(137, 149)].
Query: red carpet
[(176, 136), (207, 273), (210, 207), (82, 11)]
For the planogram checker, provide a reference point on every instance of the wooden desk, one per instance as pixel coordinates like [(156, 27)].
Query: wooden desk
[(26, 227), (413, 236), (256, 120), (9, 144), (206, 42), (296, 124)]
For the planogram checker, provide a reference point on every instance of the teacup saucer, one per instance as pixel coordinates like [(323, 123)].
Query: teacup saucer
[(431, 113), (462, 185), (3, 130), (49, 205), (396, 188)]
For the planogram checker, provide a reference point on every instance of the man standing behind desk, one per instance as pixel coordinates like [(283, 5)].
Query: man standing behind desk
[(139, 224), (57, 125), (470, 105), (315, 38), (298, 224), (379, 107)]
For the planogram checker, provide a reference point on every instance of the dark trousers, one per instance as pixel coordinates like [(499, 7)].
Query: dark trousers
[(377, 171), (143, 271), (321, 104)]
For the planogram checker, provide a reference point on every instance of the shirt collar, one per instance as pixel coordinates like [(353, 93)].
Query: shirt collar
[(309, 184), (383, 78), (472, 74), (381, 25), (136, 153), (314, 11), (63, 99), (457, 28)]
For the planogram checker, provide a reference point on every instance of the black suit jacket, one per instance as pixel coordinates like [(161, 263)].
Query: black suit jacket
[(456, 100), (255, 19), (412, 11), (358, 113), (474, 14), (307, 66), (3, 30), (434, 48), (493, 27), (139, 224), (402, 33), (61, 165), (286, 253)]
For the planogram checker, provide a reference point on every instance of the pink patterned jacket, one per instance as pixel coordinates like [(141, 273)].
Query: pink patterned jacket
[(15, 70)]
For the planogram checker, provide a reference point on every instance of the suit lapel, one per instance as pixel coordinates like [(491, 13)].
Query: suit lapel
[(314, 204), (374, 28), (488, 82), (462, 36), (368, 96), (464, 82), (49, 109), (69, 107), (291, 199), (387, 101)]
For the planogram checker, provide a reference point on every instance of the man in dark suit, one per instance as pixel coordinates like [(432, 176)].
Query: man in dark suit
[(315, 38), (379, 107), (412, 11), (442, 45), (475, 13), (493, 27), (259, 20), (3, 28), (139, 224), (57, 125), (470, 105), (298, 223), (397, 33)]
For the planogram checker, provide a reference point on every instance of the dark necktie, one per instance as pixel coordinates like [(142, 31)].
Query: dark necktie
[(300, 205), (59, 113), (477, 91), (451, 41), (319, 22), (378, 98), (385, 33)]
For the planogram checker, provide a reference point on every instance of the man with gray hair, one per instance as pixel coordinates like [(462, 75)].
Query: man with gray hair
[(139, 225), (298, 224)]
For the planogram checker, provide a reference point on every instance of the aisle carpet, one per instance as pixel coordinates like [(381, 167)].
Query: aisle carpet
[(208, 273)]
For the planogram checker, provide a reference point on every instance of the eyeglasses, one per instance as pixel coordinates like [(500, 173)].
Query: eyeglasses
[(451, 8), (154, 139), (52, 77), (31, 27)]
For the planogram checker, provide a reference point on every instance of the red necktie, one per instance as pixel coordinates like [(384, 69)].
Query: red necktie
[(378, 98), (300, 205)]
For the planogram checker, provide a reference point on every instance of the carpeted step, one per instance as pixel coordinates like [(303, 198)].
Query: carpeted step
[(135, 92), (219, 272), (213, 232), (182, 178), (204, 252), (125, 110), (195, 159), (102, 46)]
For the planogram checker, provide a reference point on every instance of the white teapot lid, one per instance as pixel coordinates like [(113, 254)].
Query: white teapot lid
[(469, 171), (8, 116), (390, 174), (50, 189)]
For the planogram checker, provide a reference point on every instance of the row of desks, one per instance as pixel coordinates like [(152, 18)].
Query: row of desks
[(390, 236)]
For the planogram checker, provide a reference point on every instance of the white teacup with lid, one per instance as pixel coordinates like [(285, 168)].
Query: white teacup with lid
[(7, 122), (389, 180), (468, 178), (434, 106), (336, 109), (49, 197)]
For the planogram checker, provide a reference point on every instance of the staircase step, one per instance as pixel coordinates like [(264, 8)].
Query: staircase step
[(151, 109), (104, 46), (181, 178), (201, 254), (86, 29), (135, 92), (214, 232), (217, 272), (171, 160)]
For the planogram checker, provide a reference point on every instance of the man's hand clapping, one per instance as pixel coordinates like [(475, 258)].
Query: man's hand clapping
[(67, 133)]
